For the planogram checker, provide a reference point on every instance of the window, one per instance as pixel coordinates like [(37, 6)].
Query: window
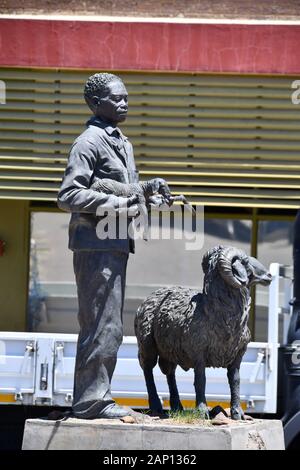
[(52, 290), (274, 245)]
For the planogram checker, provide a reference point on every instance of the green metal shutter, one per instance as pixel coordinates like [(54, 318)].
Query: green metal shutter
[(222, 140)]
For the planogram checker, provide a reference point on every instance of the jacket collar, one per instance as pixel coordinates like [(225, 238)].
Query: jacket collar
[(109, 129)]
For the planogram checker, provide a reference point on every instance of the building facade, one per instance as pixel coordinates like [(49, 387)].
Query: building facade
[(211, 111)]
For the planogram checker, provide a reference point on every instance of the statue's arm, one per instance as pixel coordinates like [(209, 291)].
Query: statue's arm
[(75, 194)]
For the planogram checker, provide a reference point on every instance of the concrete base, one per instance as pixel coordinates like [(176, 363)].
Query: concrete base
[(100, 434)]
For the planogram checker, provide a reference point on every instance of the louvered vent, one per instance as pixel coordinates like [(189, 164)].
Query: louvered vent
[(222, 140)]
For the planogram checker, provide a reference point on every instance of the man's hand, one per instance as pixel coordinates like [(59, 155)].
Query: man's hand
[(129, 204), (120, 205)]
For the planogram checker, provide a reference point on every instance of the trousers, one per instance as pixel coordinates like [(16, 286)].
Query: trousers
[(100, 278)]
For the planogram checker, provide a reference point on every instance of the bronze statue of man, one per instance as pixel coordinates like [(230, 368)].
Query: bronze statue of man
[(101, 151)]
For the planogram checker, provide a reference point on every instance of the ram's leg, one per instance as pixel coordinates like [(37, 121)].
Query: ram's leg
[(233, 374), (154, 401), (168, 368), (175, 402), (199, 384)]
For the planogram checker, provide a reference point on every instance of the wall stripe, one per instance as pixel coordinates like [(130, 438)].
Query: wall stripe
[(142, 45)]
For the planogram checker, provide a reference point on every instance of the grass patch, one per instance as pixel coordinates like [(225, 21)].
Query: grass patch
[(189, 417)]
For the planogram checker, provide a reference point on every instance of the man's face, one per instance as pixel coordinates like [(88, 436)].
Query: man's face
[(113, 106)]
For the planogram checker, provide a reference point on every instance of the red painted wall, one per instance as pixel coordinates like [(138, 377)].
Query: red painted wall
[(150, 46)]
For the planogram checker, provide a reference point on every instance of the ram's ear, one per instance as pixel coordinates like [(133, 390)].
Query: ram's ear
[(239, 271)]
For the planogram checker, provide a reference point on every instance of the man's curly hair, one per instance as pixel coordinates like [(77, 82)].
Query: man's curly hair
[(96, 84)]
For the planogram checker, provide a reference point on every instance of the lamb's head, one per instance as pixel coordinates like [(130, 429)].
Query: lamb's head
[(235, 267)]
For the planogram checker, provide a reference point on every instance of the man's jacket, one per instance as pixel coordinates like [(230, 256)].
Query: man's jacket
[(101, 151)]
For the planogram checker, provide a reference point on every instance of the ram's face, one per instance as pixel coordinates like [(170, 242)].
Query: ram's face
[(257, 273)]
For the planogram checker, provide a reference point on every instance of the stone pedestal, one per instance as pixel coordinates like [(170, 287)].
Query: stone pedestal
[(100, 434)]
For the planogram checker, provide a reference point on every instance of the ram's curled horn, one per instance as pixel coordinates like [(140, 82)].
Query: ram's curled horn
[(225, 265), (207, 259)]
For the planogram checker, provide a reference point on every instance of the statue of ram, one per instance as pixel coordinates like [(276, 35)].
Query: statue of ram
[(180, 326)]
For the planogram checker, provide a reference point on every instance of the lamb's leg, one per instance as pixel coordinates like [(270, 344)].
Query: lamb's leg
[(154, 401), (233, 374), (199, 384)]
